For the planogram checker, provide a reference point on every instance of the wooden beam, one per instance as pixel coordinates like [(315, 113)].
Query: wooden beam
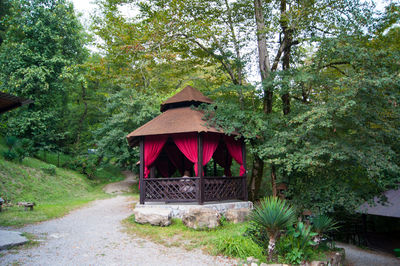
[(141, 174), (244, 180), (200, 168)]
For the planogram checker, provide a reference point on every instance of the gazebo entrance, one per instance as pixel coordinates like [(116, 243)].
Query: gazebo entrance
[(179, 141)]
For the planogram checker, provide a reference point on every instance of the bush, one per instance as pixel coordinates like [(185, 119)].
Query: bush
[(258, 234), (238, 246), (50, 169), (296, 244), (18, 148), (9, 155)]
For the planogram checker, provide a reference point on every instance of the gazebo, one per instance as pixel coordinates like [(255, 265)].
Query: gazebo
[(179, 141)]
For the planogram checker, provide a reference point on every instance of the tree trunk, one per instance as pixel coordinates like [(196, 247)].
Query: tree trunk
[(83, 117), (287, 40), (263, 56), (271, 248), (256, 177), (273, 180)]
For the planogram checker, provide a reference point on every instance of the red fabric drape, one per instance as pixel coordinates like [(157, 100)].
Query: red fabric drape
[(235, 149), (178, 159), (210, 144), (152, 148), (187, 144), (224, 159), (164, 167)]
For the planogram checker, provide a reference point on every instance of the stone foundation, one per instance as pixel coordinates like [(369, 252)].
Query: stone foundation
[(179, 209)]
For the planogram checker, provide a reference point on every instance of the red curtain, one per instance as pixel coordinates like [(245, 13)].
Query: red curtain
[(210, 144), (164, 167), (224, 159), (235, 149), (152, 148), (187, 144), (177, 158)]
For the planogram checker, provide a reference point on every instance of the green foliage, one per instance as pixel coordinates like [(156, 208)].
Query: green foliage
[(49, 169), (128, 110), (296, 245), (33, 66), (17, 148), (9, 155), (322, 224), (258, 234), (238, 247), (274, 215)]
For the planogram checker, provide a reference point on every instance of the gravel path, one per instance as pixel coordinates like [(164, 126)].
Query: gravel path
[(122, 186), (94, 236), (360, 257)]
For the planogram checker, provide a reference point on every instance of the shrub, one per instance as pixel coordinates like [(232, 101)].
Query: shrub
[(296, 245), (274, 216), (258, 234), (238, 246), (9, 155), (50, 169), (323, 224)]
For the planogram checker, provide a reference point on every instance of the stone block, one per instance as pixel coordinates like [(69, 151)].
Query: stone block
[(201, 218), (153, 216), (237, 215)]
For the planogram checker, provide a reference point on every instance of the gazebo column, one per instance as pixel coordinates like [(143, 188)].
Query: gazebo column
[(244, 180), (141, 172), (200, 189)]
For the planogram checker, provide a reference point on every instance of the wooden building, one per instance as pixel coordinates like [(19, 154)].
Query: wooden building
[(179, 140)]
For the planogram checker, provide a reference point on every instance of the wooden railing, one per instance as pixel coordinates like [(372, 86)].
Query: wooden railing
[(189, 189)]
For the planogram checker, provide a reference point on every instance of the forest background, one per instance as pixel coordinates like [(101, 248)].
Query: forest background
[(313, 86)]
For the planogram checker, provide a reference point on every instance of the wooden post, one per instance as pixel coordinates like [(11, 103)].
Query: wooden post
[(200, 195), (215, 168), (141, 175), (244, 180)]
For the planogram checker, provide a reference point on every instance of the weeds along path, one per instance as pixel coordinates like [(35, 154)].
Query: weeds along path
[(122, 186), (94, 235)]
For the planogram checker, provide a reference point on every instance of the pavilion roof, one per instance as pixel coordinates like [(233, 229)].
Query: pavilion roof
[(8, 102), (173, 121), (186, 97)]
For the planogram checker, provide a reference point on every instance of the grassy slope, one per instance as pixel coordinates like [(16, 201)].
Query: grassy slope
[(54, 195)]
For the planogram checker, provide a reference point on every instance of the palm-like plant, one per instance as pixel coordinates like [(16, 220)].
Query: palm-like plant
[(274, 215), (322, 224)]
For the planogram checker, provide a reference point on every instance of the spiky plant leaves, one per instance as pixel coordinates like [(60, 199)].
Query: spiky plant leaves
[(274, 215)]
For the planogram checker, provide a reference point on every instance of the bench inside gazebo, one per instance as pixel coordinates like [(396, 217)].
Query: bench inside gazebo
[(179, 141)]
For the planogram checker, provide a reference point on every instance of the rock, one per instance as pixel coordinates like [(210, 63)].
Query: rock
[(153, 216), (11, 238), (201, 218), (237, 215), (318, 263), (253, 264), (249, 259)]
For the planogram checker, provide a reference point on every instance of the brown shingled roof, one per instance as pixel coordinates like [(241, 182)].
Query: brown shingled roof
[(188, 96), (172, 121)]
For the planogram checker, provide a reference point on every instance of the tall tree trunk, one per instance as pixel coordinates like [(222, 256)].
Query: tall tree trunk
[(263, 56), (273, 180), (287, 40), (83, 117), (256, 177)]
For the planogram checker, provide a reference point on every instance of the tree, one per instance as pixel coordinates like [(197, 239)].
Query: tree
[(42, 38)]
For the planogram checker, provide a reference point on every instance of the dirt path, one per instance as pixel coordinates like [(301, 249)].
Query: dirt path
[(360, 257), (122, 186), (94, 236)]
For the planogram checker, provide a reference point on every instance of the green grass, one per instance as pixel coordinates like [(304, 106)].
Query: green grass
[(221, 240), (54, 195)]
